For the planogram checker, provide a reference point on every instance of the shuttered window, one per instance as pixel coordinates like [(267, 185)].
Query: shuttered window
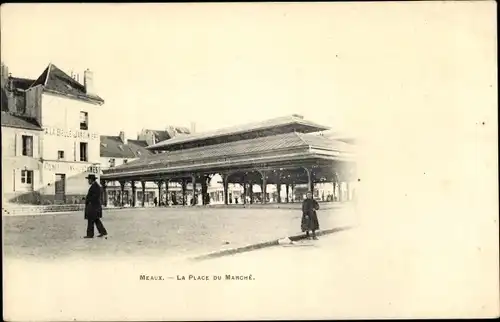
[(27, 142), (75, 151), (84, 152)]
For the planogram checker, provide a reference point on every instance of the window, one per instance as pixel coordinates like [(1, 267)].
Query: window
[(111, 163), (83, 151), (27, 176), (125, 161), (84, 121), (28, 145), (60, 155)]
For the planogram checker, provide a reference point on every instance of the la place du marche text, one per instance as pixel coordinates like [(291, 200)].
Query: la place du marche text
[(226, 277)]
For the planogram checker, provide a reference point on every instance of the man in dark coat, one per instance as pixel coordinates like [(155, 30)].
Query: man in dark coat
[(93, 208), (309, 217)]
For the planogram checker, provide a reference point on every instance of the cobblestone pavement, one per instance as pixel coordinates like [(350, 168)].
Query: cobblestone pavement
[(155, 231)]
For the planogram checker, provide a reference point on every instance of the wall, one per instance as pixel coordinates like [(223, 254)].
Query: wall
[(13, 162), (33, 101), (148, 136), (118, 161), (61, 123)]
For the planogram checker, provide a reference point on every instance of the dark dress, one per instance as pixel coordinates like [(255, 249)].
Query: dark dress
[(309, 216)]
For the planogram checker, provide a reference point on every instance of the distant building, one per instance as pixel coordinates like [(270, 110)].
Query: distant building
[(50, 139), (154, 136), (115, 151), (118, 150)]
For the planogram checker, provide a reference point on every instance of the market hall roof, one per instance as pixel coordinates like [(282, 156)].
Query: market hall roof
[(341, 136), (280, 125), (237, 153)]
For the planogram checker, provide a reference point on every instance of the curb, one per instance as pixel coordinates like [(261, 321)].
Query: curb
[(35, 212), (275, 242)]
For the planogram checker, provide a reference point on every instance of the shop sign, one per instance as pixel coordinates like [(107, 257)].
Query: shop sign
[(65, 167), (76, 134)]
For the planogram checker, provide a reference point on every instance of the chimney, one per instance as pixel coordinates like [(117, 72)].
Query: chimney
[(4, 74), (193, 127), (88, 82), (122, 137)]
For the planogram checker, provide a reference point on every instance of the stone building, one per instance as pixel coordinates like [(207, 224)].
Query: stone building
[(154, 136), (50, 137)]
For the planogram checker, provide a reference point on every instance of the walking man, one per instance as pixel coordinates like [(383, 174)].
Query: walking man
[(309, 217), (93, 208)]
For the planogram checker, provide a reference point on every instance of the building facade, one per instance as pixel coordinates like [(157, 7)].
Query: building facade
[(63, 145), (21, 166)]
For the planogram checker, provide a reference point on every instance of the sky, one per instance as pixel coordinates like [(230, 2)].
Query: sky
[(415, 80), (337, 63)]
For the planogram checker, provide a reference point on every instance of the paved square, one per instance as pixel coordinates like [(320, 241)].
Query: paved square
[(154, 231)]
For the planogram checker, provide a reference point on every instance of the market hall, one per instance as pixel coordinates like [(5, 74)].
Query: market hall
[(287, 151)]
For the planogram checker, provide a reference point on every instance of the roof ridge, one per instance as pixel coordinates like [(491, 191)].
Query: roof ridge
[(133, 140), (301, 138), (234, 143), (236, 129), (48, 73)]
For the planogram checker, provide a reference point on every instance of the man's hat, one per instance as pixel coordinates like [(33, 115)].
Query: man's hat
[(91, 176)]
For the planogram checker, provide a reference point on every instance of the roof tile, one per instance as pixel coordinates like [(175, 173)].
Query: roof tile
[(10, 120), (322, 142), (21, 83), (60, 82), (234, 130), (113, 147), (225, 150)]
